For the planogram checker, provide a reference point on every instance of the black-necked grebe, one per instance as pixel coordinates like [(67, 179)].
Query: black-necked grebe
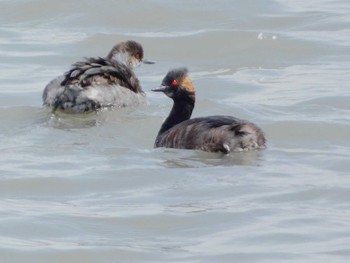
[(212, 134), (99, 82)]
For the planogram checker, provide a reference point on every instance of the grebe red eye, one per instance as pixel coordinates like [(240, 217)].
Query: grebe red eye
[(174, 83), (137, 56)]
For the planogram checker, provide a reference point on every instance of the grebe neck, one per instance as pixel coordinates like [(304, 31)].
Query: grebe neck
[(181, 111)]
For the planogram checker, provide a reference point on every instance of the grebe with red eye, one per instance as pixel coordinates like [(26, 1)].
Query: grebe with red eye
[(214, 133), (99, 82)]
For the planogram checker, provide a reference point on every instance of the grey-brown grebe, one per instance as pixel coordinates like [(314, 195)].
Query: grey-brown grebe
[(212, 134), (99, 82)]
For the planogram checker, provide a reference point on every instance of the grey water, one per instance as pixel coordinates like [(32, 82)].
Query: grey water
[(91, 188)]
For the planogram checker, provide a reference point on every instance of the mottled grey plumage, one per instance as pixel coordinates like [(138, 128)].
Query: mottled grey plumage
[(99, 82), (96, 71), (213, 134)]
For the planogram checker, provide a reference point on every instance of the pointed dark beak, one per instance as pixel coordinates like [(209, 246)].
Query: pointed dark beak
[(146, 61), (160, 89)]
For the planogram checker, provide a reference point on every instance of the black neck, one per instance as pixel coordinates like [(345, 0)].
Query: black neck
[(181, 111)]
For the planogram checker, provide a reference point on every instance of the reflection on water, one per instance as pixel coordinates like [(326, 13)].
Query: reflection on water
[(174, 158), (62, 120)]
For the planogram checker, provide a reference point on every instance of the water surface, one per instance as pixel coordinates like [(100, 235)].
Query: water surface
[(91, 188)]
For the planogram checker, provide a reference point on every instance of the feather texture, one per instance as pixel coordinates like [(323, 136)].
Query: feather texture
[(99, 82), (213, 133)]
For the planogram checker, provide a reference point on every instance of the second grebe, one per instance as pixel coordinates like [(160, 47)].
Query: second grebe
[(99, 82)]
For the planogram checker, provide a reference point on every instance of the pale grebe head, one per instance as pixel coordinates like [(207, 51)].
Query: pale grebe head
[(129, 53)]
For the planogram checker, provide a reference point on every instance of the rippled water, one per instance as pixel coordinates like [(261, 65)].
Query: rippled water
[(91, 188)]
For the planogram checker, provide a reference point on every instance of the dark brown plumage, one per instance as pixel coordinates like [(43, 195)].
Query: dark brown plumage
[(212, 134)]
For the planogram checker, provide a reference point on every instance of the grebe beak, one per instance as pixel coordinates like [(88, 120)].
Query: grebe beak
[(160, 89), (146, 61)]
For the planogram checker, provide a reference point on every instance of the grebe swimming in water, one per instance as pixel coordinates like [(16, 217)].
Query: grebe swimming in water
[(212, 134), (99, 82)]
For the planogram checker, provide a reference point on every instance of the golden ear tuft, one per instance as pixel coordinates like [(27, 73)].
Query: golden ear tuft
[(188, 84)]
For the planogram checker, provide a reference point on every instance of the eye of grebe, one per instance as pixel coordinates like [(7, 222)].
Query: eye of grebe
[(137, 56), (174, 83)]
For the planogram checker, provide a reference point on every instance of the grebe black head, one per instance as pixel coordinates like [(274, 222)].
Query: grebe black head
[(177, 85), (99, 82), (213, 133)]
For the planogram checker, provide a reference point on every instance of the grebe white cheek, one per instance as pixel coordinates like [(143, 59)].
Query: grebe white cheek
[(134, 62)]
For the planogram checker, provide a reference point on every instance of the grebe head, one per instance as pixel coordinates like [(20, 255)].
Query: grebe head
[(177, 84), (129, 53)]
